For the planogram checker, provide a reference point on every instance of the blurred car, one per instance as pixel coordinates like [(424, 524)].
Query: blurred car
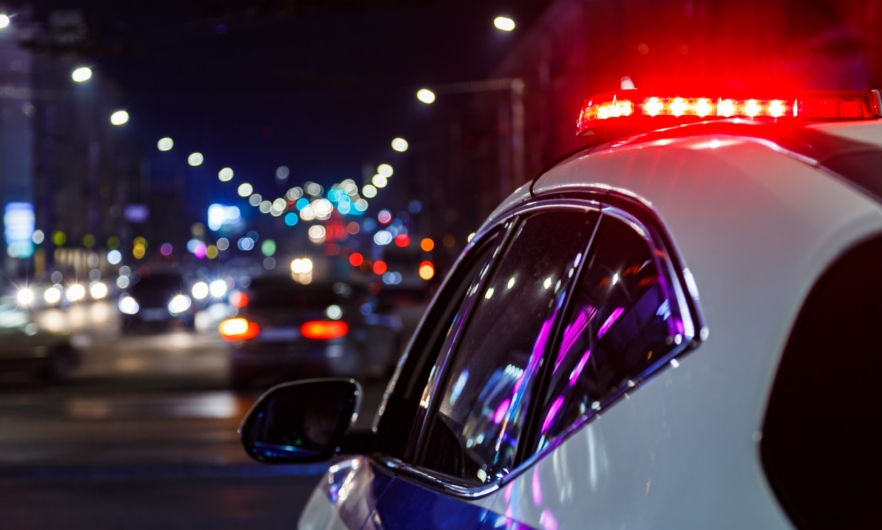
[(157, 300), (25, 348), (568, 375), (286, 330)]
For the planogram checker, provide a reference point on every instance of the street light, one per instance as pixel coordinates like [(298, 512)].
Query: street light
[(81, 74), (504, 24), (426, 96), (119, 117), (165, 144), (4, 21), (400, 145), (195, 159)]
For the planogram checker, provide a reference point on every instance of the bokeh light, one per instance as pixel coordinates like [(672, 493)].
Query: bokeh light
[(195, 159), (400, 145), (165, 144), (225, 174)]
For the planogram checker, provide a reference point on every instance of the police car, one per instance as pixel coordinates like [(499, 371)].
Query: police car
[(676, 327)]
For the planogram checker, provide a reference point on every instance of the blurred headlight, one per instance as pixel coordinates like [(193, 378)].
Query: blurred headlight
[(25, 296), (218, 288), (334, 312), (179, 304), (98, 290), (52, 295), (199, 290), (76, 292), (128, 305)]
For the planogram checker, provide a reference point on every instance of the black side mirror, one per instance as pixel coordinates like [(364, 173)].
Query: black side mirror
[(301, 422)]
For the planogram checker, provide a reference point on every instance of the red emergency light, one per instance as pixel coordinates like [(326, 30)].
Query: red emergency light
[(643, 109)]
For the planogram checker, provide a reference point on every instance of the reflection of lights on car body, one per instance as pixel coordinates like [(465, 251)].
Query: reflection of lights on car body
[(179, 304), (129, 305)]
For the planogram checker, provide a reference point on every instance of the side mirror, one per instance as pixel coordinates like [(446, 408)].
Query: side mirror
[(301, 422)]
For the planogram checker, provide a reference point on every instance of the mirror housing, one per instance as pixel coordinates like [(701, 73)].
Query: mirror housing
[(301, 422)]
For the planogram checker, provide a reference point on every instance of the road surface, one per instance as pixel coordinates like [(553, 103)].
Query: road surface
[(142, 435)]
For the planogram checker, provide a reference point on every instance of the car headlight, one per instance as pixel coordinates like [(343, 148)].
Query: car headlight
[(218, 288), (129, 305), (199, 290), (25, 296), (52, 295), (98, 290), (76, 292), (179, 304)]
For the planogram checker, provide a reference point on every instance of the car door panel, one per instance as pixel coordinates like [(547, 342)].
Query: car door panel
[(347, 494), (407, 505)]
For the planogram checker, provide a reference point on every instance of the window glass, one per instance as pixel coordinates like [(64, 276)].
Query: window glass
[(619, 323), (481, 407)]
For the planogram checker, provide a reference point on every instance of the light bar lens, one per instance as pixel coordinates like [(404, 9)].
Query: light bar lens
[(608, 108)]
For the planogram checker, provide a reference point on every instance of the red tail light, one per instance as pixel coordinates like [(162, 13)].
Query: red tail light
[(324, 329), (236, 329), (239, 299)]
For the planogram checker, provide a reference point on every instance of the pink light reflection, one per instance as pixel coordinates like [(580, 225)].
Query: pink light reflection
[(577, 371), (552, 413), (547, 520), (536, 486), (572, 333), (499, 415), (617, 312)]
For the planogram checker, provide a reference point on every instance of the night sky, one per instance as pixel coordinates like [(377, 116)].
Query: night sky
[(322, 89)]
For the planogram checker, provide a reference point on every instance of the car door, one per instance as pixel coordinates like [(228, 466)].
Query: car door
[(475, 400)]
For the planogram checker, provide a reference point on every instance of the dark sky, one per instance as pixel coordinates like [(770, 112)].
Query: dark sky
[(319, 86)]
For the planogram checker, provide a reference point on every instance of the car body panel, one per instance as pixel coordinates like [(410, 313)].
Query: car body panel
[(409, 505), (756, 226), (346, 496)]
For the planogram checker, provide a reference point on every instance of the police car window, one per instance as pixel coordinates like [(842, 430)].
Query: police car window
[(482, 405), (619, 323)]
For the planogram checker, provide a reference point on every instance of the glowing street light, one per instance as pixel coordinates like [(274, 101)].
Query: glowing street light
[(4, 21), (400, 145), (195, 159), (165, 144), (119, 117), (82, 74), (225, 174), (426, 96), (504, 24), (245, 189)]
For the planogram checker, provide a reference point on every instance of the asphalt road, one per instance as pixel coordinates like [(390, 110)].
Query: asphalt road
[(142, 435)]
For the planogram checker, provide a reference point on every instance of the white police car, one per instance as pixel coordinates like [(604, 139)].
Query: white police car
[(568, 375)]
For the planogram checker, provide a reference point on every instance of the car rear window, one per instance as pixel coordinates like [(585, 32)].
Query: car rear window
[(277, 294)]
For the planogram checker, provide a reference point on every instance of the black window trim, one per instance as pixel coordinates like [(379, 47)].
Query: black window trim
[(606, 201)]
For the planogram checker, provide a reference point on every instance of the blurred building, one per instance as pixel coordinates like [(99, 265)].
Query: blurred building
[(486, 143), (83, 179)]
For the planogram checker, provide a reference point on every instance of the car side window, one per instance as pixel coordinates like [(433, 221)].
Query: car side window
[(399, 412), (481, 405), (620, 322)]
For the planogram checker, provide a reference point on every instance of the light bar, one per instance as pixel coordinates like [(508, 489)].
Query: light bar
[(629, 105)]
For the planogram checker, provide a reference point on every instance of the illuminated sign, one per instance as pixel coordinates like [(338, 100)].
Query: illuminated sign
[(18, 223)]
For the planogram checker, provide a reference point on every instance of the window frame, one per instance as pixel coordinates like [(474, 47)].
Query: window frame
[(603, 201)]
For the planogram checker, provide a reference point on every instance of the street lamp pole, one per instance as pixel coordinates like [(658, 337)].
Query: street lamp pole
[(515, 86)]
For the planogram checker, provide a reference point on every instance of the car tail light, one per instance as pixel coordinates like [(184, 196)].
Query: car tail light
[(324, 329), (236, 329), (239, 299), (631, 106)]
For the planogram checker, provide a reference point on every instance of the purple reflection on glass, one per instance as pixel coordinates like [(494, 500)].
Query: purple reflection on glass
[(552, 413), (537, 489), (577, 371), (499, 415), (617, 312), (572, 333)]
